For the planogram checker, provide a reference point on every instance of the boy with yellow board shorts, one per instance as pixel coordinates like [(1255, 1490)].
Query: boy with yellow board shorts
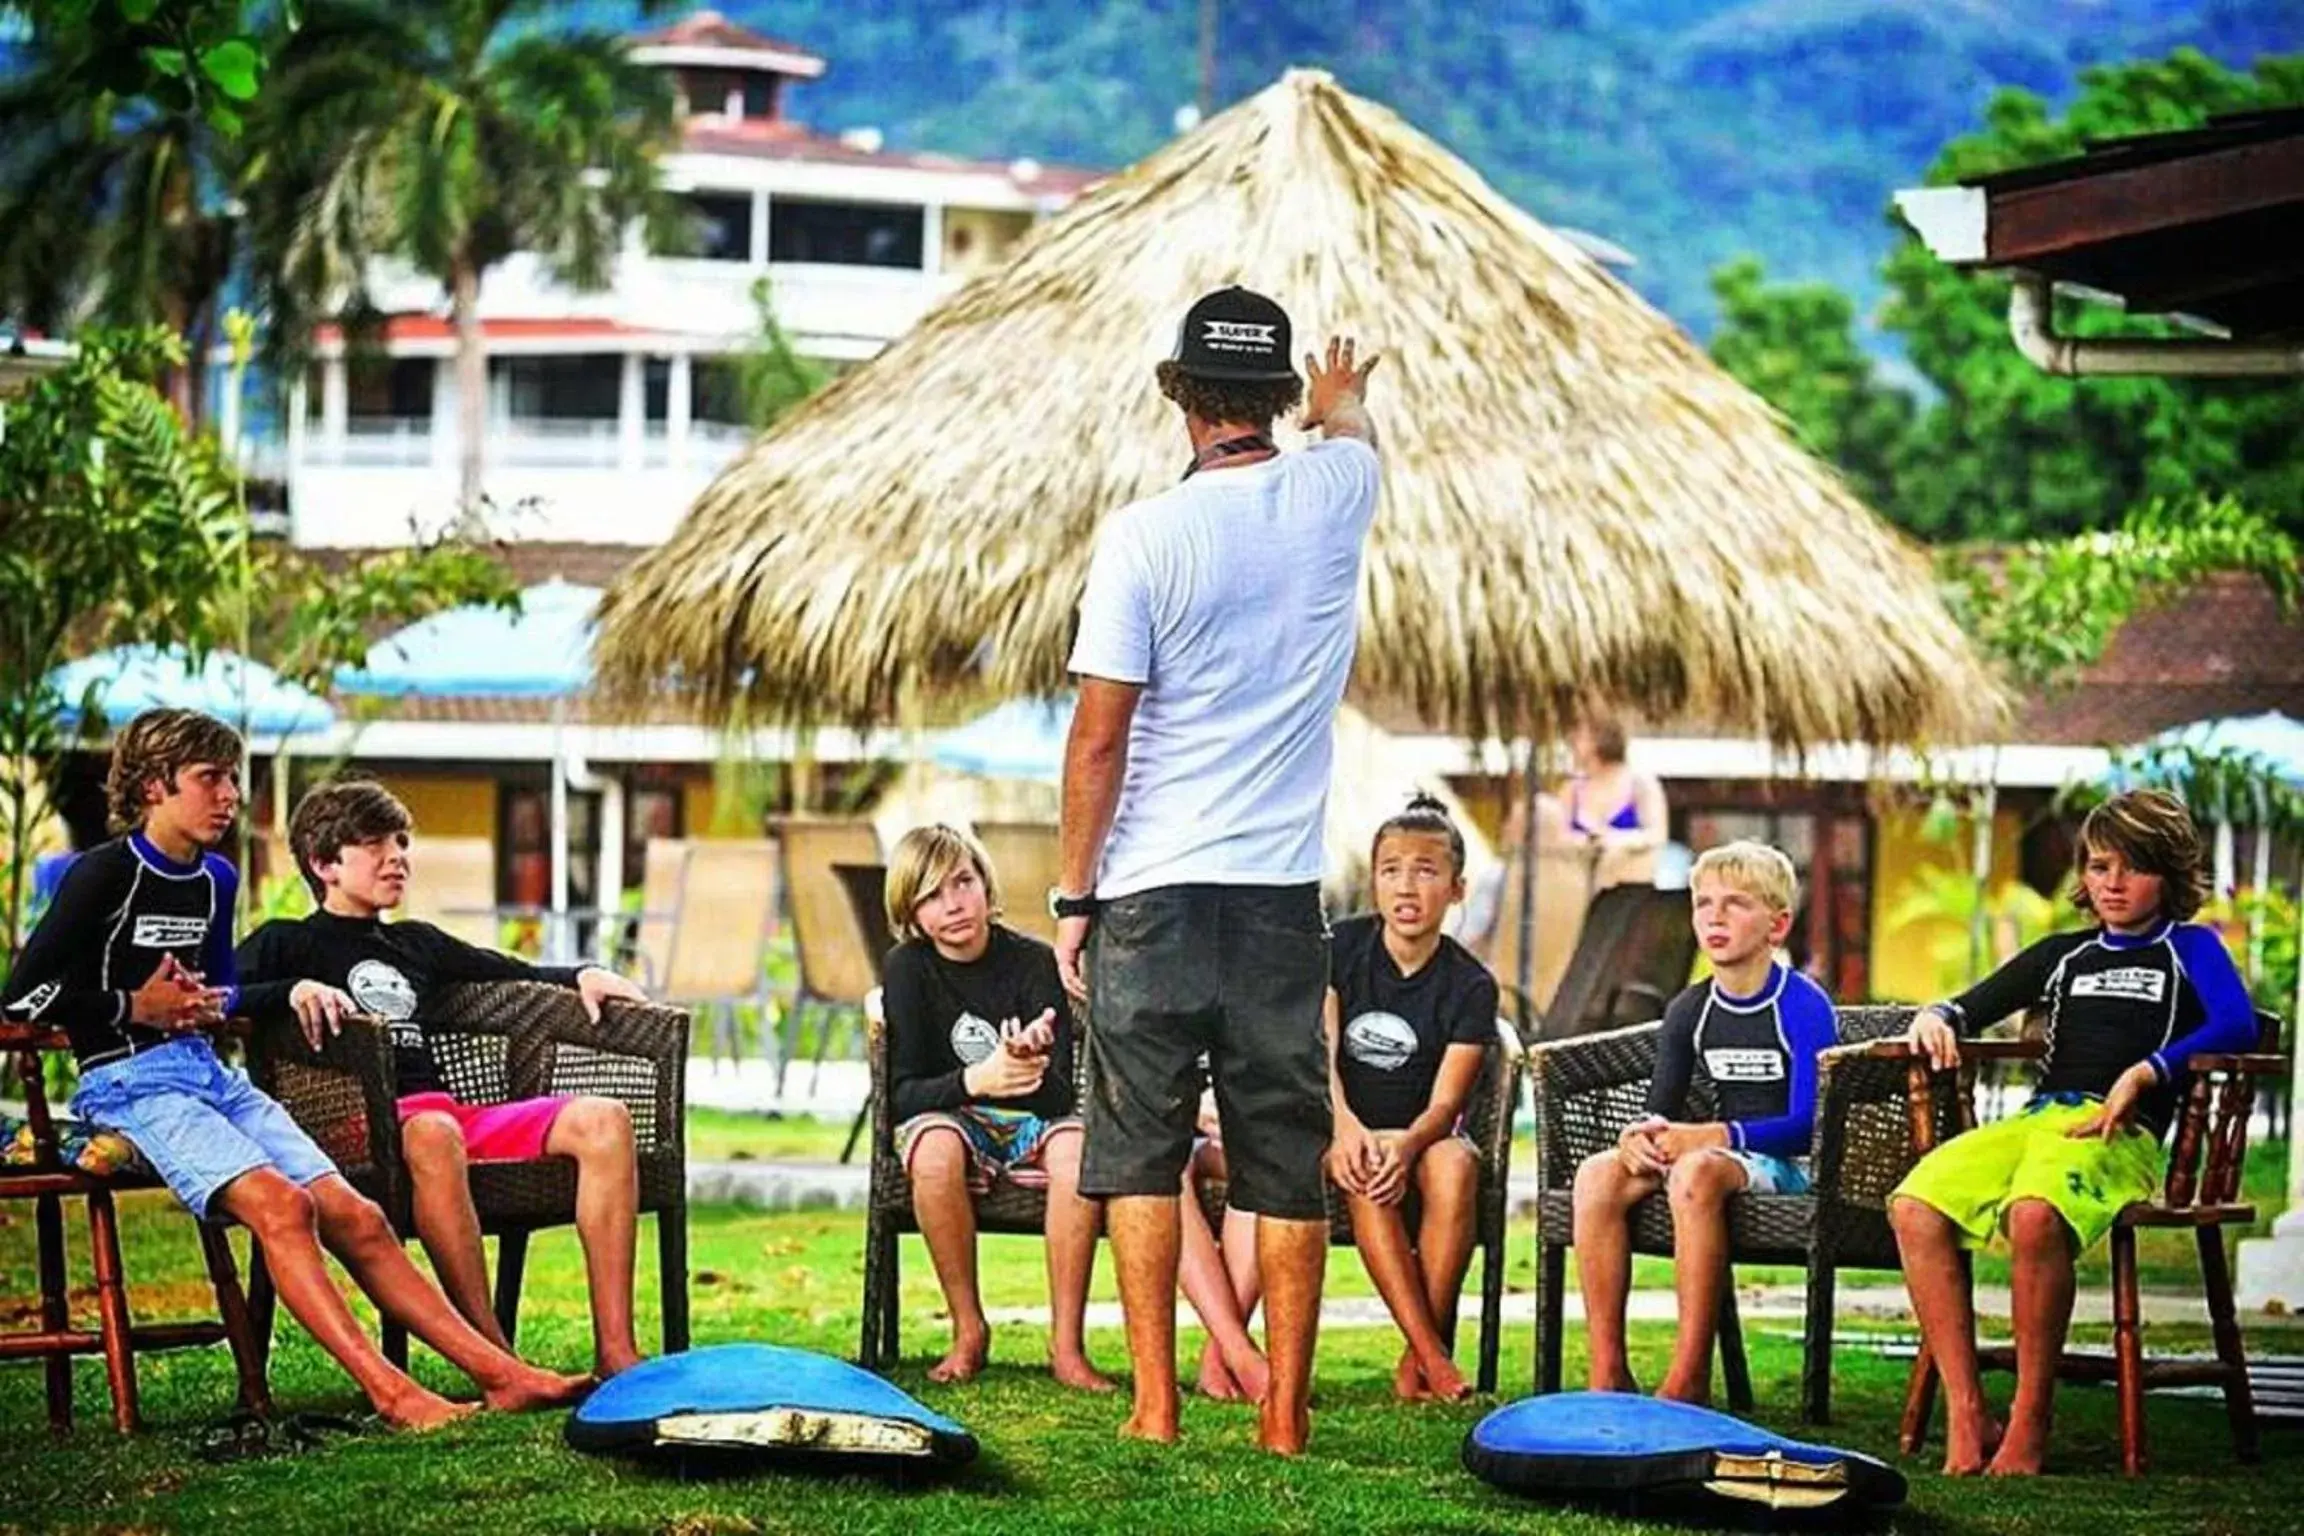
[(2128, 1002)]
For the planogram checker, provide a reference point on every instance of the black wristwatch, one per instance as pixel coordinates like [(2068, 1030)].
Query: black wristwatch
[(1062, 906)]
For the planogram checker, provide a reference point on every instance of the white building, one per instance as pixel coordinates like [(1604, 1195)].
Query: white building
[(609, 412)]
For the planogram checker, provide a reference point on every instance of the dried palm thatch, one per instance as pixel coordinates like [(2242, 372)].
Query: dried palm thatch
[(1577, 502)]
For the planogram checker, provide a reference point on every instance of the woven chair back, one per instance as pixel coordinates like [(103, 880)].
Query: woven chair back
[(867, 885), (452, 885), (1024, 854), (719, 942), (833, 962)]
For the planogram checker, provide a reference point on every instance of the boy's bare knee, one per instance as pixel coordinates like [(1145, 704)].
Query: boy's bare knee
[(598, 1124), (2037, 1228), (937, 1156), (1448, 1170), (270, 1207), (432, 1143), (1703, 1180), (1599, 1177), (1062, 1157)]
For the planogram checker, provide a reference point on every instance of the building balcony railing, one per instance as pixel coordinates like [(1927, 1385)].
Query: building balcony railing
[(381, 442)]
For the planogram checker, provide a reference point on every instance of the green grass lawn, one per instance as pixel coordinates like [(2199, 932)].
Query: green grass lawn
[(1050, 1463)]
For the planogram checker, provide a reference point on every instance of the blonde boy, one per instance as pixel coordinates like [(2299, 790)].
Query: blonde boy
[(1751, 1034)]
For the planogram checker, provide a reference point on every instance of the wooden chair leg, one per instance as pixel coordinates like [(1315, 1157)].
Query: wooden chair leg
[(1492, 1294), (2224, 1321), (892, 1301), (112, 1309), (394, 1343), (868, 1340), (239, 1325), (511, 1267), (1816, 1341), (1551, 1302), (672, 1277), (55, 1307), (1733, 1366), (2128, 1350)]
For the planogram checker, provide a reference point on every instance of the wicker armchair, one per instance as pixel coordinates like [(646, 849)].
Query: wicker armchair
[(1009, 1208), (1588, 1089), (2200, 1192), (495, 1043)]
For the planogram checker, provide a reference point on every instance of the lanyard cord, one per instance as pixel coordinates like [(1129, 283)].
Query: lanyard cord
[(1229, 448)]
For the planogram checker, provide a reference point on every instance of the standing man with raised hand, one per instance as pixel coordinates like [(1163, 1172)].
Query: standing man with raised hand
[(1216, 635)]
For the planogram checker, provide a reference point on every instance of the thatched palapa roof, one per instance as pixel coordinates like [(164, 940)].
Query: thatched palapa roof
[(1576, 500)]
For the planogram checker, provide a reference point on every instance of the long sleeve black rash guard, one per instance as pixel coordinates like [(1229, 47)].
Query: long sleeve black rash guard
[(122, 907)]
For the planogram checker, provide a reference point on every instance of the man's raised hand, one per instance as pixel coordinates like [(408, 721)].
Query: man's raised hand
[(1336, 387)]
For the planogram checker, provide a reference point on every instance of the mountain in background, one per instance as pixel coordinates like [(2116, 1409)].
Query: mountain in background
[(1688, 131)]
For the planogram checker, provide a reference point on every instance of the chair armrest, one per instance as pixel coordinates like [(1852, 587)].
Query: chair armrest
[(1970, 1050), (2245, 1063), (345, 1095)]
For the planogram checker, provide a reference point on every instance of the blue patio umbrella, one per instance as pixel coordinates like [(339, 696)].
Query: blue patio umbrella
[(2275, 739), (543, 651), (134, 678), (1021, 739)]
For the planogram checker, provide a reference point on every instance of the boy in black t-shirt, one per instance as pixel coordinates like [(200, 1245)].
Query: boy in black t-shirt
[(980, 1046), (351, 843), (134, 960), (1410, 1016)]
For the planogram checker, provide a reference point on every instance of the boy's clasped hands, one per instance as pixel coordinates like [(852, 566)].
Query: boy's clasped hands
[(175, 998), (1017, 1064), (1653, 1144)]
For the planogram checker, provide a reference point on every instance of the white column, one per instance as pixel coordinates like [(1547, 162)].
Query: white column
[(759, 252), (631, 411), (443, 431), (335, 407), (678, 398), (299, 403), (2271, 1269), (932, 239), (608, 881)]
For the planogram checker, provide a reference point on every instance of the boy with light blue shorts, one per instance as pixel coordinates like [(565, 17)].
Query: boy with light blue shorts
[(1751, 1034), (133, 960)]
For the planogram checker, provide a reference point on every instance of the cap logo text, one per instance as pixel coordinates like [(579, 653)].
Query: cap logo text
[(1238, 336)]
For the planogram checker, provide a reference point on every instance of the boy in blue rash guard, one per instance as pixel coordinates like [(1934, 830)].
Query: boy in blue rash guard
[(2128, 1002), (1753, 1032), (133, 959)]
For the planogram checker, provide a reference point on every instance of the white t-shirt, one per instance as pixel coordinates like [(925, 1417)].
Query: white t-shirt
[(1234, 600)]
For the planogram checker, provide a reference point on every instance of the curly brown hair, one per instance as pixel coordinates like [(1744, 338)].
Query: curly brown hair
[(337, 813), (1253, 401), (155, 747), (2154, 835)]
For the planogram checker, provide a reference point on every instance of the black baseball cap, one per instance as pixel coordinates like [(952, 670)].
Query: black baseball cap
[(1235, 334)]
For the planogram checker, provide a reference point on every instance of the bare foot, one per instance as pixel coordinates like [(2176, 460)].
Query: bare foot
[(420, 1409), (530, 1390), (1151, 1421), (1075, 1372), (1216, 1379), (1408, 1378), (614, 1363), (1674, 1390), (1443, 1381), (2023, 1449), (1969, 1443), (1284, 1434), (1253, 1374), (965, 1359)]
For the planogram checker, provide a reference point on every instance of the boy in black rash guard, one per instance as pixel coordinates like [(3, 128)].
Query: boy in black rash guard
[(980, 1083), (351, 843), (133, 959), (1753, 1030), (2128, 1002), (1410, 1014)]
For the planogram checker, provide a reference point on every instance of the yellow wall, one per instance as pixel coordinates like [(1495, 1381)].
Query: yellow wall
[(1907, 962), (977, 239), (447, 805)]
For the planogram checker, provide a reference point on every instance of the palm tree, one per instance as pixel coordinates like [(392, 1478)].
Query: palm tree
[(115, 206), (449, 133)]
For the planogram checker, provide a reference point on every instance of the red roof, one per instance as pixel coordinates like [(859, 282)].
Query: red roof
[(782, 139), (2221, 648), (710, 29), (437, 328)]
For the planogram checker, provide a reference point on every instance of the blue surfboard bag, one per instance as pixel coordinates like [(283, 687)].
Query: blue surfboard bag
[(765, 1402), (1572, 1445)]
